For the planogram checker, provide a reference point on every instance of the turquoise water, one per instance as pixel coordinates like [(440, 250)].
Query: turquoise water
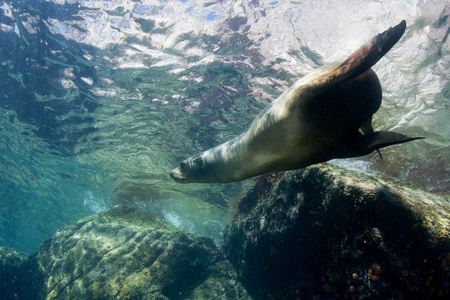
[(41, 190), (96, 107)]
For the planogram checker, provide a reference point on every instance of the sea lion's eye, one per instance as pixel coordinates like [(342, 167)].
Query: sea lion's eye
[(182, 165)]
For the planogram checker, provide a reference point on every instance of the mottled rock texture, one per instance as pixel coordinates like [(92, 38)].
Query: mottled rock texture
[(124, 254), (11, 262), (323, 232)]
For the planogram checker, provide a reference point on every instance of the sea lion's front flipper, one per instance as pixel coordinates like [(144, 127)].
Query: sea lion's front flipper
[(359, 62), (368, 55), (368, 143)]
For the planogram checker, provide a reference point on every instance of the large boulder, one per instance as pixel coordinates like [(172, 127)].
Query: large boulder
[(124, 254), (323, 232)]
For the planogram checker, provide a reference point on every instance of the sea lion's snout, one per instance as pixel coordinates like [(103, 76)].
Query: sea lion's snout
[(177, 176)]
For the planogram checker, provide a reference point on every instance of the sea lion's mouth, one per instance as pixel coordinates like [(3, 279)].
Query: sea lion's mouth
[(176, 175)]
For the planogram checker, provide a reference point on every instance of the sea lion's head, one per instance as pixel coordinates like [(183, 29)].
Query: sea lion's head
[(209, 166), (189, 169)]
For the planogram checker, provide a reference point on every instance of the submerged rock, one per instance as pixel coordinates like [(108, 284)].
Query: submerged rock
[(123, 254), (325, 232), (11, 262)]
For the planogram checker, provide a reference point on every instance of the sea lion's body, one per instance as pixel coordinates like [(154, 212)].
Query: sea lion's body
[(322, 116)]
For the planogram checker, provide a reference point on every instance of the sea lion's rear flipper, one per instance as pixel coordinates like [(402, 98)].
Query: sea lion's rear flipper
[(368, 143), (366, 128), (359, 62)]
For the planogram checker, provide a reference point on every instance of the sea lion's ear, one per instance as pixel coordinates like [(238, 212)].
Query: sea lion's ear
[(365, 144), (198, 161)]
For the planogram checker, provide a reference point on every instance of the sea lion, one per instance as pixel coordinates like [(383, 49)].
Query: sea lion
[(326, 114)]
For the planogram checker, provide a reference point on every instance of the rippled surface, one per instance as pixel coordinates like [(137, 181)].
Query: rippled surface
[(99, 100)]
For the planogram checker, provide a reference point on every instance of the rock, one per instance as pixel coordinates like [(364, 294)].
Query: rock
[(11, 262), (325, 232), (123, 254)]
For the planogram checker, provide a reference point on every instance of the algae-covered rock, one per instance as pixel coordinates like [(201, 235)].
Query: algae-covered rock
[(11, 262), (323, 232), (123, 254)]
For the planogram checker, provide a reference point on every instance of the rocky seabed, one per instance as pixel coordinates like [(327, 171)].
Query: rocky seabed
[(317, 233)]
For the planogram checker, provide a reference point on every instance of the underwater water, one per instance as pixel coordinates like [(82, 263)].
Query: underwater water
[(99, 100)]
